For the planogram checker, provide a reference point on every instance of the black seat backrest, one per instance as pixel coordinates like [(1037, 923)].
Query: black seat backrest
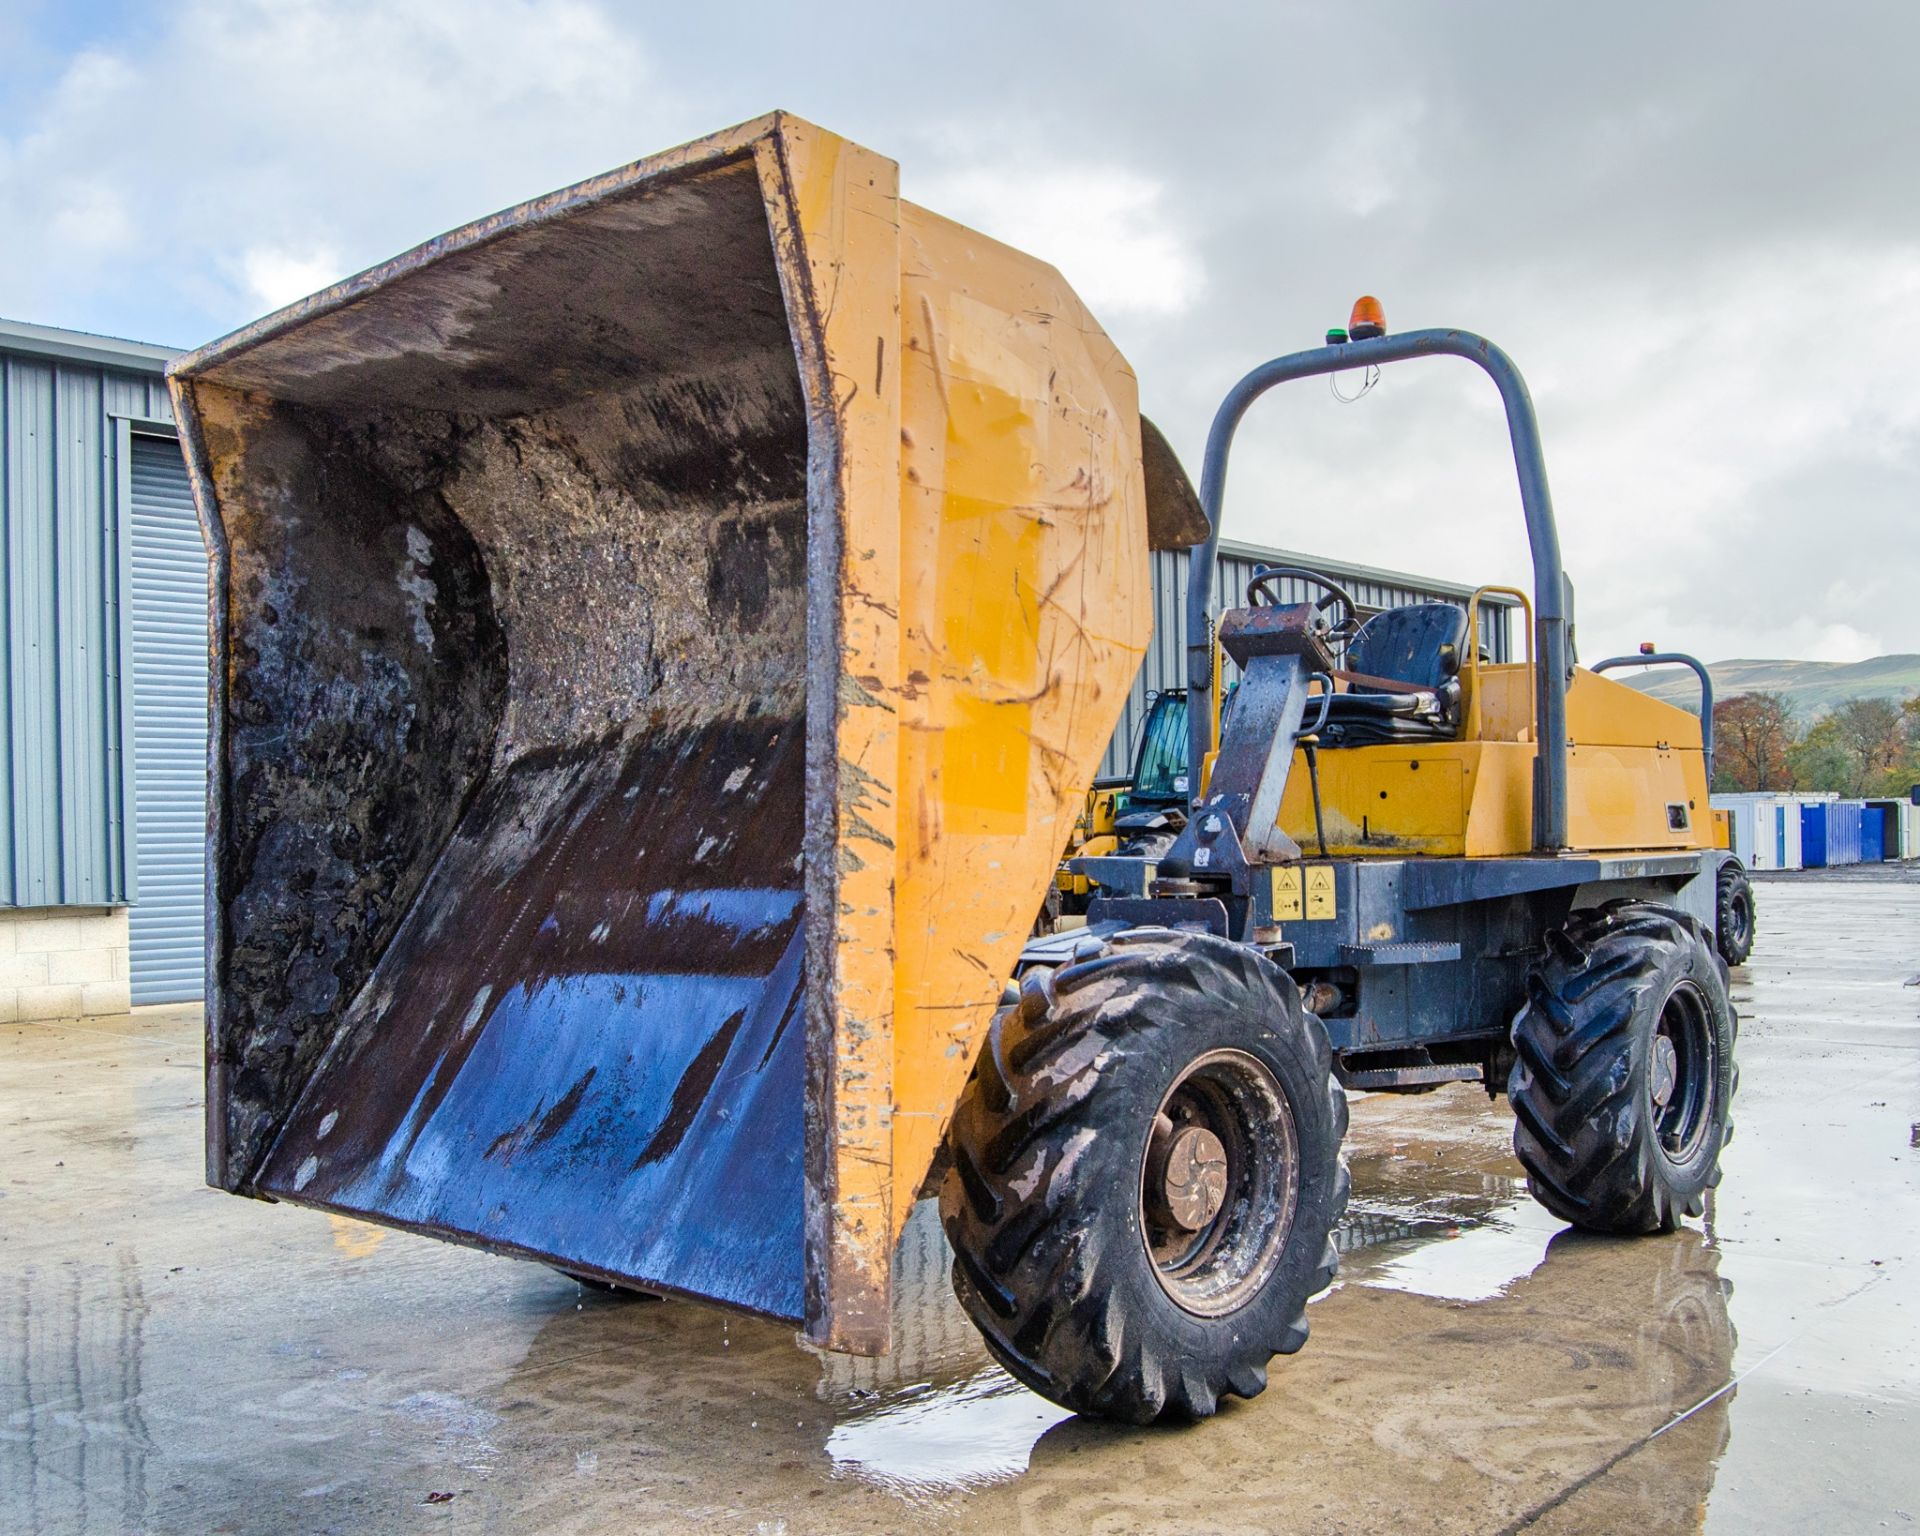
[(1420, 644)]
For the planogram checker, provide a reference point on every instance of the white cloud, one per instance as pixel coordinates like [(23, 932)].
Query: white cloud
[(1808, 641), (276, 277), (313, 136), (1104, 226), (91, 221)]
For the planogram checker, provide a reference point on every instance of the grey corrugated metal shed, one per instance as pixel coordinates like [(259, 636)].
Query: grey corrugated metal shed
[(1165, 664), (70, 406)]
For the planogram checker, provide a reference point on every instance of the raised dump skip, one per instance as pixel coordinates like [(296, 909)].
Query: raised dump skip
[(662, 630)]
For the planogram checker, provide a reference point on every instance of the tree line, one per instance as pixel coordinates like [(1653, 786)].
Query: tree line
[(1864, 747)]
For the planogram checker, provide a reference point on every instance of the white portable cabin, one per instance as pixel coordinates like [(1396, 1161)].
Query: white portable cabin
[(1902, 828), (1766, 827)]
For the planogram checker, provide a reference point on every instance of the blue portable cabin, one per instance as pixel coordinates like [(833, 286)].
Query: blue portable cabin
[(1813, 836), (1843, 832), (1830, 833), (1873, 834)]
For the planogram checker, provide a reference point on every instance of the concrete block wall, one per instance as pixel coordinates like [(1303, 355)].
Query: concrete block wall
[(62, 962)]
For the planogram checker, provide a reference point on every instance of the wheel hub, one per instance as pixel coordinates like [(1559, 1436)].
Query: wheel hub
[(1666, 1070), (1682, 1064), (1219, 1181), (1192, 1165)]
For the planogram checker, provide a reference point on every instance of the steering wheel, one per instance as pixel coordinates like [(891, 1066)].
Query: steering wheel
[(1261, 593)]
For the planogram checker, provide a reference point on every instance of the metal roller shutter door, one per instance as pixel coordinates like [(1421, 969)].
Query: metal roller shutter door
[(169, 625)]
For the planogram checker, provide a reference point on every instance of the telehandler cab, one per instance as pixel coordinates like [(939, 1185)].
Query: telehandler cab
[(1136, 815), (661, 634)]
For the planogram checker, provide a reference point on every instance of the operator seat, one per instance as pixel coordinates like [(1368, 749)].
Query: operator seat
[(1403, 682)]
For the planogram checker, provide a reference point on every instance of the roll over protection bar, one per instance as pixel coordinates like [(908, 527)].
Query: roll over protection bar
[(1550, 600)]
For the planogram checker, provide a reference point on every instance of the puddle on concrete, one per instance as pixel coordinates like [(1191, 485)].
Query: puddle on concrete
[(933, 1440), (1439, 1207), (938, 1417), (1470, 1264), (1455, 1251)]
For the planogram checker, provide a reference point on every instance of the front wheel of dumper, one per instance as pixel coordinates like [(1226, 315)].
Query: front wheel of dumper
[(1146, 1174)]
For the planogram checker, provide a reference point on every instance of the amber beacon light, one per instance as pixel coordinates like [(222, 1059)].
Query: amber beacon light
[(1369, 319)]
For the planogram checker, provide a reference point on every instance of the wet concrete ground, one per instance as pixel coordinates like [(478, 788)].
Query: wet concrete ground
[(176, 1360)]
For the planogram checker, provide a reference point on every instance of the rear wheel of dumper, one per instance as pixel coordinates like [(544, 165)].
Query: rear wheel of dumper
[(1145, 1177), (1733, 928), (1623, 1073)]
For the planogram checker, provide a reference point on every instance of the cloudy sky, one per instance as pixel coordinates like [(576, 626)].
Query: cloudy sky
[(1694, 226)]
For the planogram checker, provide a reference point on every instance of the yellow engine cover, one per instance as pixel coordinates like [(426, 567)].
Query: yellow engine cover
[(1636, 780)]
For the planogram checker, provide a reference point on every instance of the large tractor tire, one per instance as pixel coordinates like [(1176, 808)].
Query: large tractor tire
[(1146, 1174), (1733, 925), (1623, 1073)]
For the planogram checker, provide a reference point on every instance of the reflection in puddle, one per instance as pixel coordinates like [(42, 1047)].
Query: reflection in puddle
[(1455, 1263), (1438, 1216), (1456, 1249), (936, 1416), (931, 1440)]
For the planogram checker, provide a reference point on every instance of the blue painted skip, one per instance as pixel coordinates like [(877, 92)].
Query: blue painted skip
[(599, 1119), (586, 1040)]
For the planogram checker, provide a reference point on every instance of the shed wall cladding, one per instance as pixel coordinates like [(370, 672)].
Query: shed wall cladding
[(1165, 664), (65, 792), (169, 623)]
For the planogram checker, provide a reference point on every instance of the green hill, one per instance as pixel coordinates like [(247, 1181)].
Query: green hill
[(1811, 687)]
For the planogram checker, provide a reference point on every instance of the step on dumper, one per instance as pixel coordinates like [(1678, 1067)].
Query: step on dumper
[(661, 634)]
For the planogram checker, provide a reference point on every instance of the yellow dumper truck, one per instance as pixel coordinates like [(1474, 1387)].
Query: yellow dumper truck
[(662, 635)]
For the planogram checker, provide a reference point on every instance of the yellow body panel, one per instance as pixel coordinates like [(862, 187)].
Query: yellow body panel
[(1634, 770), (995, 609), (1024, 607), (1636, 774), (1506, 701), (984, 441)]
